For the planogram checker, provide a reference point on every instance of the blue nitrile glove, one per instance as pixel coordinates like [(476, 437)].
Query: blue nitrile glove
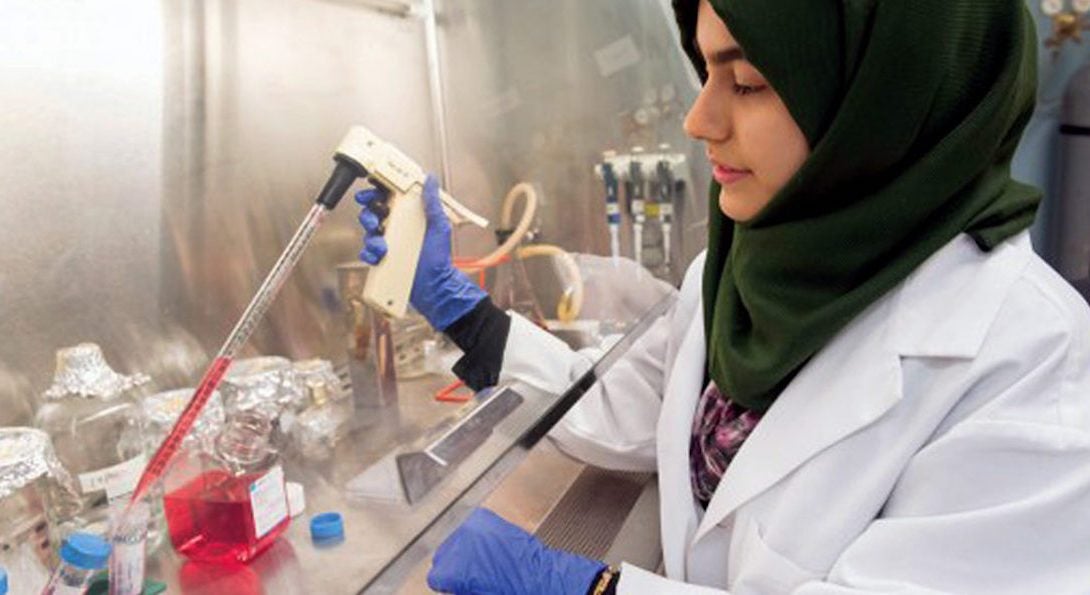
[(490, 555), (440, 292)]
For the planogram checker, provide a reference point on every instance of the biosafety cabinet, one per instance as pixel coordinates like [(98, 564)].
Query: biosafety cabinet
[(159, 155)]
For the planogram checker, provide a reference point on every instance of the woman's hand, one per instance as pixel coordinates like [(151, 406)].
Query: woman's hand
[(490, 555), (440, 292)]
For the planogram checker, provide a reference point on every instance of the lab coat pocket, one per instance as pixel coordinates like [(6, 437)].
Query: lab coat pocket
[(763, 570)]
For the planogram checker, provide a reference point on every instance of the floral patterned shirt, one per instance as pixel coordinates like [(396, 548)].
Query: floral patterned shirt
[(719, 429)]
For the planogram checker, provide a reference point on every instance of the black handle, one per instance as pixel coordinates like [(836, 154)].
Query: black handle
[(345, 173)]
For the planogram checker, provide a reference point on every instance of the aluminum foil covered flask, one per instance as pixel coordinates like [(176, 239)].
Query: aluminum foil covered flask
[(162, 410), (93, 417), (36, 494), (267, 386)]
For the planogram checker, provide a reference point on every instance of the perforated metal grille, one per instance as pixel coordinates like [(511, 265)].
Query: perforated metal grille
[(588, 517)]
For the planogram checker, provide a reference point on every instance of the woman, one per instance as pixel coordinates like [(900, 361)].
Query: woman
[(870, 383)]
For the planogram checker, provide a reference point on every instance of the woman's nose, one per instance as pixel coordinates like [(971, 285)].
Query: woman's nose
[(708, 119)]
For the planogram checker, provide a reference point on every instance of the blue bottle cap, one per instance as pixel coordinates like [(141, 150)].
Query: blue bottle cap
[(3, 581), (85, 551), (328, 526)]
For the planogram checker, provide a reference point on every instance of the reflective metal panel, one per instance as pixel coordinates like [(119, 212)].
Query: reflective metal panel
[(81, 104), (157, 155), (257, 105), (536, 91)]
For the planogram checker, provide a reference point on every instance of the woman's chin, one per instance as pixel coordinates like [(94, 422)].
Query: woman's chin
[(739, 205)]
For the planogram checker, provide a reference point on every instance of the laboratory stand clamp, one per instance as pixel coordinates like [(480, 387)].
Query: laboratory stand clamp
[(654, 186)]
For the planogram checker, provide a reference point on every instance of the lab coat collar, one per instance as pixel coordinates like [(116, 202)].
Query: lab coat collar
[(827, 401), (944, 308)]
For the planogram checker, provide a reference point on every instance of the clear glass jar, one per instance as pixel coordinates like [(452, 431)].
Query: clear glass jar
[(328, 415), (93, 416), (35, 494), (228, 505), (267, 386)]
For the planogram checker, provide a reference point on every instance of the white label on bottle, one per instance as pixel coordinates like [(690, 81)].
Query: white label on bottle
[(127, 568), (62, 589), (269, 501), (118, 481)]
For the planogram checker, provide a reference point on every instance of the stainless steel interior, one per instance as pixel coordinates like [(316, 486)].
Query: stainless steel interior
[(159, 154)]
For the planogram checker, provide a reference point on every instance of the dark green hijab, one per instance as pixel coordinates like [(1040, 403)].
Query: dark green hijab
[(913, 109)]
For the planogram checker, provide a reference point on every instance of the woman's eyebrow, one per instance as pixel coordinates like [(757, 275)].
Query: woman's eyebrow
[(725, 56)]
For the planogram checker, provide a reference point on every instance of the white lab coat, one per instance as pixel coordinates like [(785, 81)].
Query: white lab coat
[(939, 443)]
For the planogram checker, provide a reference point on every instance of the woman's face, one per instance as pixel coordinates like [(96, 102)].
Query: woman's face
[(754, 145)]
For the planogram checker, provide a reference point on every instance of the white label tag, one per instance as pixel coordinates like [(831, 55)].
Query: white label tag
[(127, 568), (268, 501), (613, 208), (617, 56), (118, 481)]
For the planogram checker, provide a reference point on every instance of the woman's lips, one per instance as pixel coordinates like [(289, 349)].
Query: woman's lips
[(726, 175)]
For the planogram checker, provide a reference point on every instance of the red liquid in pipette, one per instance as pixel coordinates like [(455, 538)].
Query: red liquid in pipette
[(161, 459), (260, 303)]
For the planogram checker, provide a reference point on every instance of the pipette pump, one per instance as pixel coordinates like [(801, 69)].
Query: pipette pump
[(389, 283)]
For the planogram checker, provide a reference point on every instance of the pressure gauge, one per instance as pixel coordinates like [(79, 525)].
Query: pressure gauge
[(1081, 6), (1052, 7)]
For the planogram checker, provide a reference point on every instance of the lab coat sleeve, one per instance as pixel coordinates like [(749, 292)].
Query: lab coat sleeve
[(613, 425)]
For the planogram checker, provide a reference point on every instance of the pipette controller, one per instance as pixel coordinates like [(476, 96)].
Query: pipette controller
[(360, 155)]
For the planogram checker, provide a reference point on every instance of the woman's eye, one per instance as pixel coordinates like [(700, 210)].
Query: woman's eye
[(746, 89)]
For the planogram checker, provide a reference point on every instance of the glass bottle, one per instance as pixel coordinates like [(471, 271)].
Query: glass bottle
[(35, 494), (128, 536), (162, 410), (92, 415), (328, 416), (228, 505), (267, 386), (82, 556)]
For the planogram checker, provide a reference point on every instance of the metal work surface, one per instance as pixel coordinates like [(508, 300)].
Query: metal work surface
[(387, 538), (376, 531), (508, 459)]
